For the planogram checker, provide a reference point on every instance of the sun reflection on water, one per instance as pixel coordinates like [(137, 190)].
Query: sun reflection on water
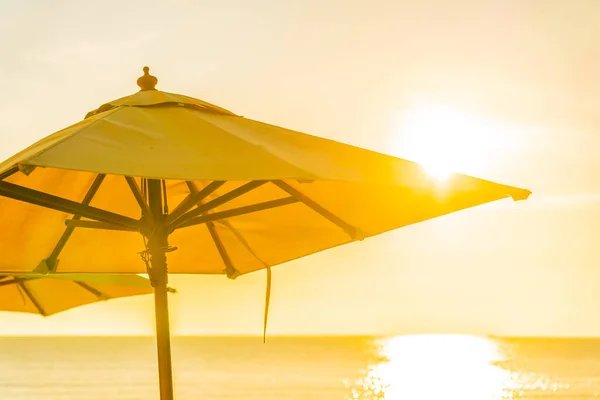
[(430, 367)]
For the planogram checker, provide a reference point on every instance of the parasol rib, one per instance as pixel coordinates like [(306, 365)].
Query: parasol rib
[(229, 268), (92, 290), (99, 225), (234, 212), (11, 281), (137, 193), (235, 193), (352, 231), (211, 217), (31, 297), (193, 199), (9, 172), (42, 199), (51, 260)]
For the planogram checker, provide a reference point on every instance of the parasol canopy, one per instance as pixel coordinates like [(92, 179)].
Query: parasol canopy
[(157, 173)]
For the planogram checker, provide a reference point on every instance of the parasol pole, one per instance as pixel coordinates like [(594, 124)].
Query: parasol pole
[(157, 247)]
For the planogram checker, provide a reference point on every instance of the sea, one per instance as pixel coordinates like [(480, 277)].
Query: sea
[(410, 367)]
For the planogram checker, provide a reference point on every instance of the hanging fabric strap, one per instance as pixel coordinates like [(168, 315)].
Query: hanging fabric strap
[(267, 301), (235, 273), (243, 241), (20, 290)]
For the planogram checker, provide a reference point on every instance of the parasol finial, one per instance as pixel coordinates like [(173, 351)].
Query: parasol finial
[(147, 81)]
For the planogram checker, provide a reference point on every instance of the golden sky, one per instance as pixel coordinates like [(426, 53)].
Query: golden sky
[(516, 81)]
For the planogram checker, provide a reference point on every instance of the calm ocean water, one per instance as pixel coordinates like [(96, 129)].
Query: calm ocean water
[(309, 368)]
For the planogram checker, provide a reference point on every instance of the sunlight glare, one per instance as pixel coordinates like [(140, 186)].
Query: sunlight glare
[(425, 367), (446, 140)]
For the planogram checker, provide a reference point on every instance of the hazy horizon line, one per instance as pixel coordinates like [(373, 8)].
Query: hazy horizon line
[(380, 336)]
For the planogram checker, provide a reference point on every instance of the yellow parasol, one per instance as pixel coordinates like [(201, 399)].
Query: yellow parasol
[(220, 193)]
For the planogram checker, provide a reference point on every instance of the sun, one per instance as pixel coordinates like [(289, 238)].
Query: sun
[(446, 140)]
